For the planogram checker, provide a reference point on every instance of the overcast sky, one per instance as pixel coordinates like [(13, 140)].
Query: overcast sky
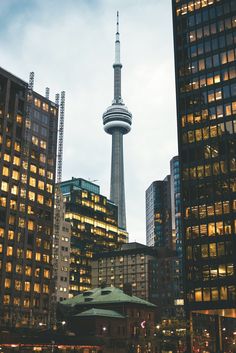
[(70, 46)]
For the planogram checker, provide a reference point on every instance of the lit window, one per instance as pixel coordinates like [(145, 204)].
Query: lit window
[(28, 254), (5, 171), (49, 188), (10, 234), (27, 286), (45, 107), (35, 140), (16, 301), (198, 295), (16, 161), (41, 185), (7, 157), (40, 199), (37, 256), (26, 303), (38, 242), (19, 119), (8, 267), (30, 210), (18, 285), (41, 171), (46, 258), (37, 102), (30, 225), (50, 175), (45, 288), (6, 299), (17, 146), (31, 196), (7, 283), (9, 251), (37, 287), (3, 201), (43, 144), (4, 186), (33, 168), (32, 182), (18, 269), (14, 190), (22, 207), (1, 232), (13, 204), (24, 178), (21, 222), (46, 273), (37, 272), (28, 270)]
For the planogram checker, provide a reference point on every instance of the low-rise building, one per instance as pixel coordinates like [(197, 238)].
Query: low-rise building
[(123, 322)]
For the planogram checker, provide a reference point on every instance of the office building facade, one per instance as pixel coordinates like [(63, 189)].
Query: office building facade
[(28, 138), (129, 265), (205, 57), (177, 232), (94, 228), (158, 214)]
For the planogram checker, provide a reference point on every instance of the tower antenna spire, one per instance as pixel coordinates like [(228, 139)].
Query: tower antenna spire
[(117, 65), (117, 44), (117, 22)]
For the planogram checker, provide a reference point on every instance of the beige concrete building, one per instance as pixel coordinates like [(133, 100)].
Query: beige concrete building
[(62, 253), (131, 264)]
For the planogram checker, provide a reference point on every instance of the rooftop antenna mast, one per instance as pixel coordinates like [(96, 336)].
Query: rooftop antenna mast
[(60, 138), (47, 92)]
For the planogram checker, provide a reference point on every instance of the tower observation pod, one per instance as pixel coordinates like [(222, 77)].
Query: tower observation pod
[(117, 122)]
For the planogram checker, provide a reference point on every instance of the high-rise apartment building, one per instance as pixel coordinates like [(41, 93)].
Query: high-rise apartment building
[(61, 257), (205, 63), (28, 139), (158, 214), (117, 122), (94, 228)]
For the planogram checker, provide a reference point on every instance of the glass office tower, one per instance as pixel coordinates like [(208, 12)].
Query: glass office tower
[(204, 40), (94, 229), (28, 140)]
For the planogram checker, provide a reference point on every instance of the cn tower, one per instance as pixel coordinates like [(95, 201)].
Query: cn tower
[(117, 122)]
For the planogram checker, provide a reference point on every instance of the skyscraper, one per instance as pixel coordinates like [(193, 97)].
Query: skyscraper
[(158, 214), (117, 122), (28, 139), (205, 58), (94, 228)]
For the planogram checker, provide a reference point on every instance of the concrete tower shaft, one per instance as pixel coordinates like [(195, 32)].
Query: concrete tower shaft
[(117, 121)]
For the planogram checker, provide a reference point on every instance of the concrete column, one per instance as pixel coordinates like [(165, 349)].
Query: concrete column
[(117, 194), (218, 334)]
